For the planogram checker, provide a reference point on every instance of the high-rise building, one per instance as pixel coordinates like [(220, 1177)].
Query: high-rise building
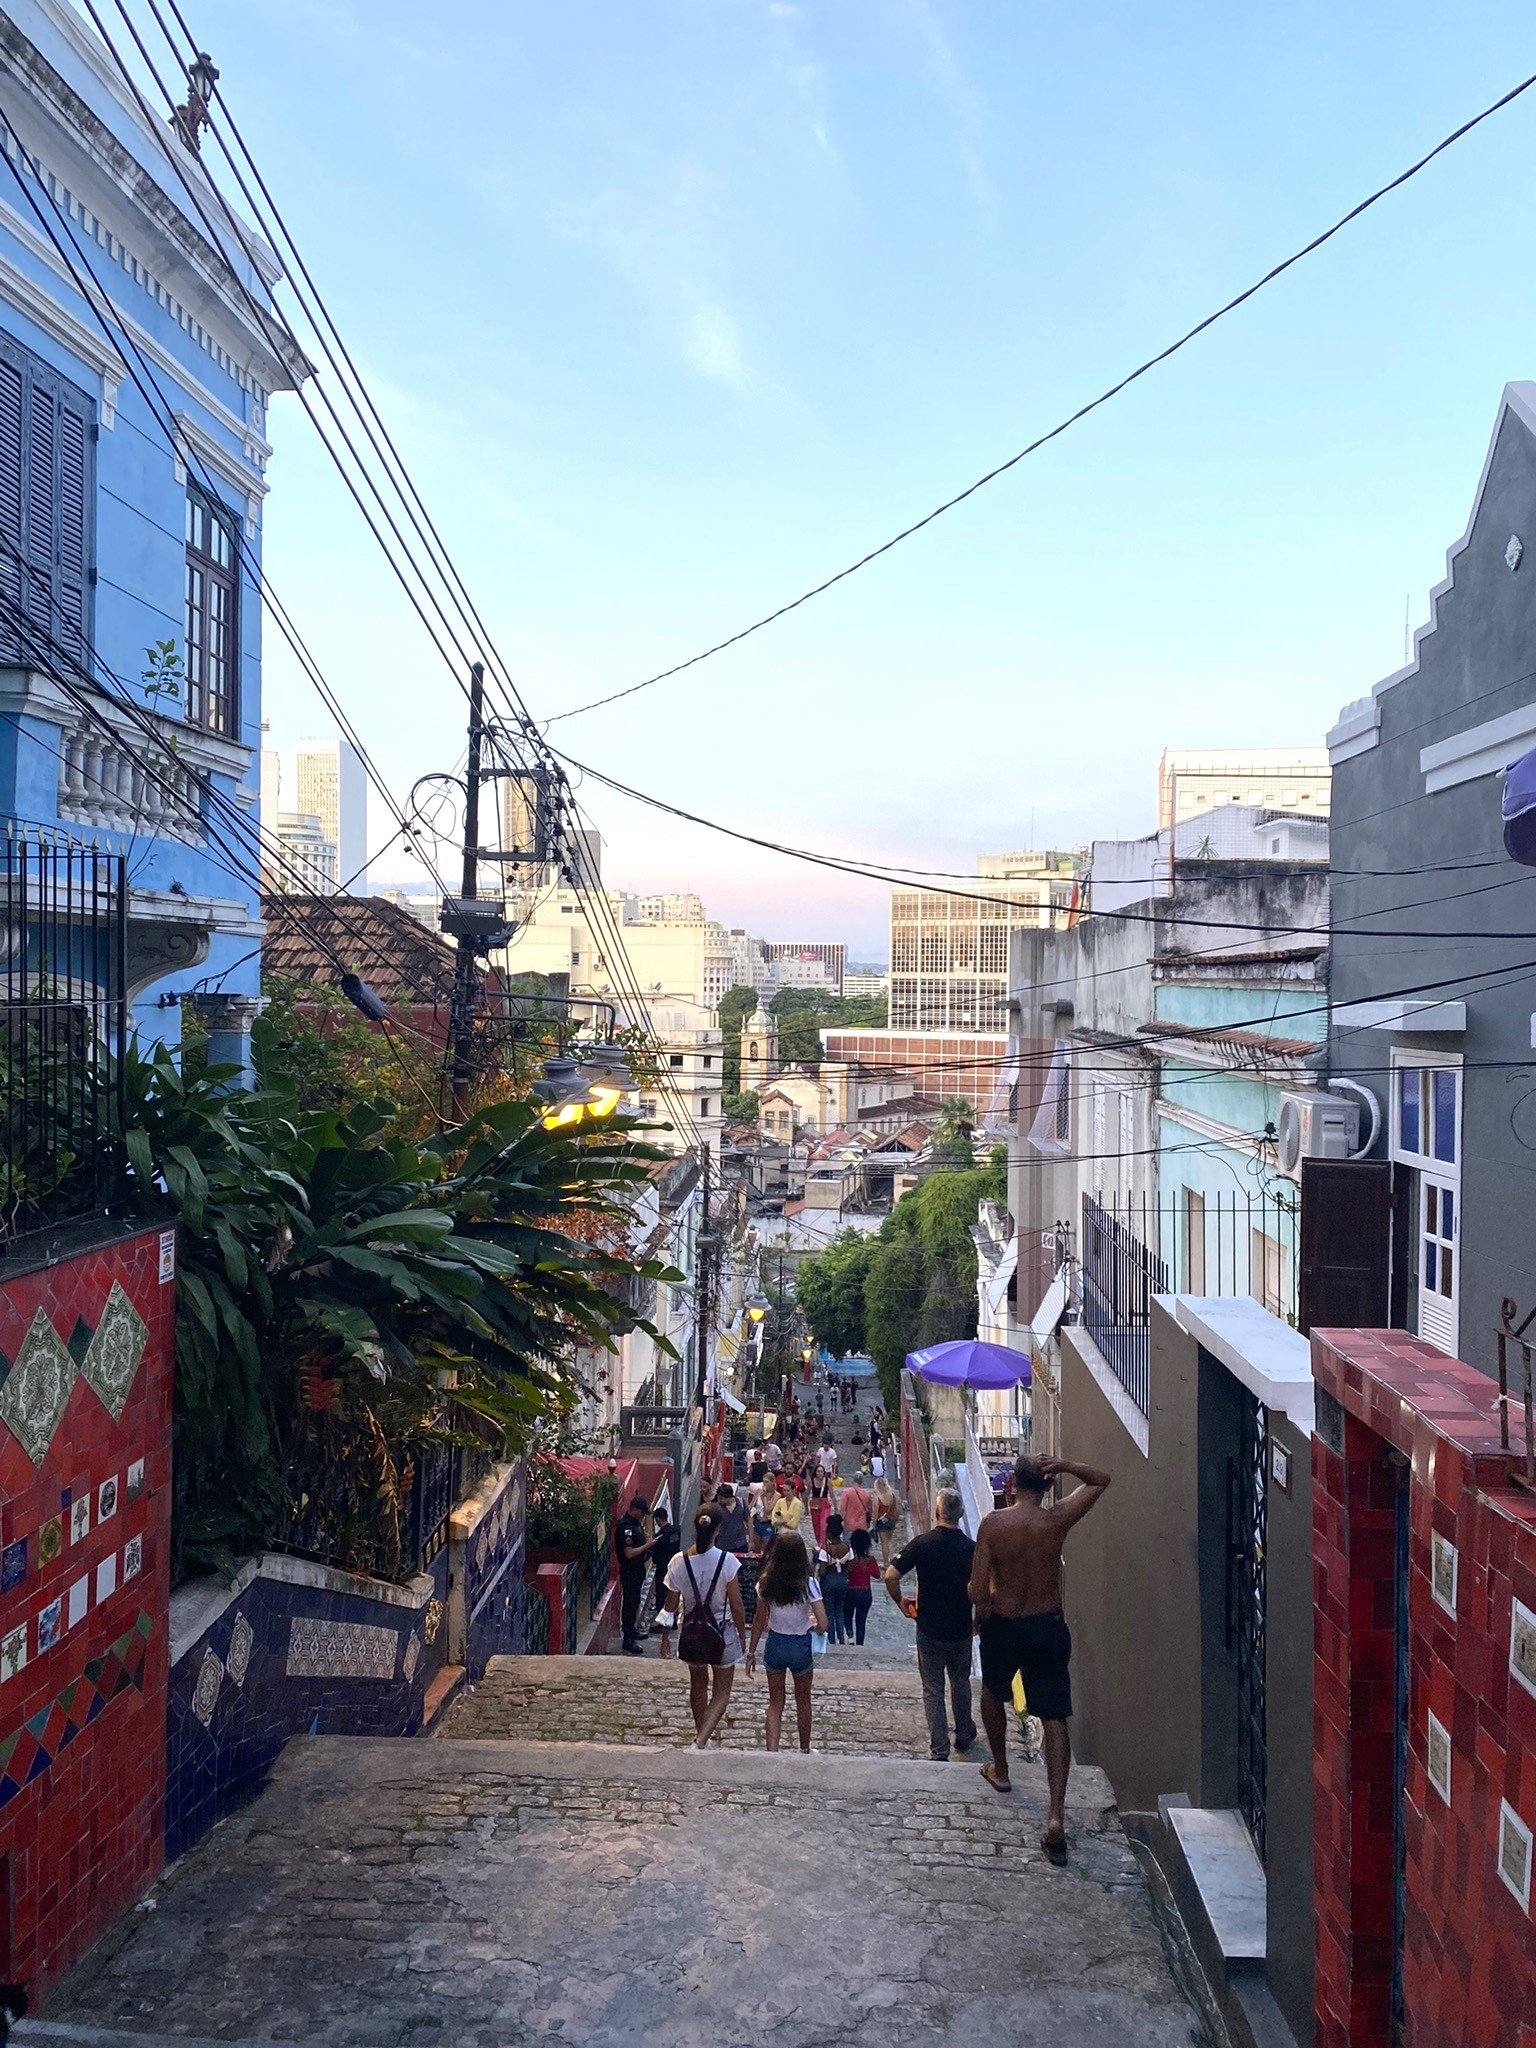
[(949, 950), (866, 981), (563, 931), (682, 906), (749, 963), (331, 784), (799, 964), (1194, 781), (308, 863)]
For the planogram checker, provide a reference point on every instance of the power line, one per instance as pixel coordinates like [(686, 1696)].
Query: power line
[(1082, 412)]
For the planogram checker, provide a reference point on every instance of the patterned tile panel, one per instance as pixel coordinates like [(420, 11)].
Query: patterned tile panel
[(341, 1649), (37, 1388), (113, 1356)]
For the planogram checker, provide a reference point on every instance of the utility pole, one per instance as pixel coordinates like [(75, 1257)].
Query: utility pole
[(466, 972)]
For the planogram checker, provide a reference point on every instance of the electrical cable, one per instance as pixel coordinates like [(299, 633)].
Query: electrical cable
[(1082, 412)]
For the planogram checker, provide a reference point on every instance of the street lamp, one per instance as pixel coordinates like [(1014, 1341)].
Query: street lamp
[(758, 1306)]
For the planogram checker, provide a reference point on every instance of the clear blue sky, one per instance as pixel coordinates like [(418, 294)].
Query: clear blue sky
[(678, 306)]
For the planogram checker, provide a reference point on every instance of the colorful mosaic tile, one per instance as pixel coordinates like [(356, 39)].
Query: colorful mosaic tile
[(106, 1577), (79, 1601), (26, 1752), (49, 1622), (80, 1519), (412, 1656), (205, 1694), (50, 1541), (433, 1619), (13, 1564), (37, 1388), (113, 1357), (340, 1649), (106, 1500), (135, 1480), (13, 1653), (133, 1558), (241, 1636)]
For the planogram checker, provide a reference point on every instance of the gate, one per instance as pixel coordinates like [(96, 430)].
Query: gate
[(1247, 1516)]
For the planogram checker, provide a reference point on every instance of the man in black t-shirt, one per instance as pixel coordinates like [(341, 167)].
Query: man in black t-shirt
[(942, 1561), (634, 1548)]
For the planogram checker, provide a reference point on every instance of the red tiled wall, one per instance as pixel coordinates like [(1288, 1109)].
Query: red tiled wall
[(1469, 1968), (82, 1719)]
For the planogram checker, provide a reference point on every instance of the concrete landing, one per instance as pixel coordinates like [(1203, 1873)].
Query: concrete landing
[(469, 1893)]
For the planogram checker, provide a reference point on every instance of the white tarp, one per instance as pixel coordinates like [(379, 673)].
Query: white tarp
[(997, 1286), (1050, 1311)]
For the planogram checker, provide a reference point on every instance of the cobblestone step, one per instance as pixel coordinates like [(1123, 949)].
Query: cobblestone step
[(469, 1893), (643, 1703)]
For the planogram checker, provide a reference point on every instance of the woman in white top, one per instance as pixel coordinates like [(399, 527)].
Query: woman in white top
[(702, 1586), (788, 1608)]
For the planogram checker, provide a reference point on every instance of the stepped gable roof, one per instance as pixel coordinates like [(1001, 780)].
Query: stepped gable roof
[(401, 961)]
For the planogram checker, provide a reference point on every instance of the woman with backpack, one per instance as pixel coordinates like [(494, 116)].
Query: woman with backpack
[(702, 1588), (832, 1561), (788, 1608), (863, 1570)]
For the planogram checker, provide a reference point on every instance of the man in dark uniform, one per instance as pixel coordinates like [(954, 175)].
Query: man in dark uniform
[(634, 1549)]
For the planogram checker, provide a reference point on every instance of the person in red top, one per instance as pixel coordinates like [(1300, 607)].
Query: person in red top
[(862, 1573), (856, 1505)]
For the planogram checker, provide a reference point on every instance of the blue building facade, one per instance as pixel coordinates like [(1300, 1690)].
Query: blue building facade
[(136, 371)]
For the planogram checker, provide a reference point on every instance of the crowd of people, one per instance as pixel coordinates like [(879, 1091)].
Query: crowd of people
[(813, 1532)]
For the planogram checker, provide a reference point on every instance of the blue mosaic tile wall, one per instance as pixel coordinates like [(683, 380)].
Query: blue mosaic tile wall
[(495, 1597), (288, 1660)]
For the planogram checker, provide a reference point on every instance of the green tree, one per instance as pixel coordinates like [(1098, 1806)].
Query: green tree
[(954, 1129), (893, 1300), (735, 1007), (830, 1291), (741, 1108)]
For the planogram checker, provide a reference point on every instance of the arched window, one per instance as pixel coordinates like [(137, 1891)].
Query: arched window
[(753, 1053)]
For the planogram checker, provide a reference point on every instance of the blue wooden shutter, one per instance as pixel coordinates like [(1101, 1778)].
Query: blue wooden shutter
[(47, 497)]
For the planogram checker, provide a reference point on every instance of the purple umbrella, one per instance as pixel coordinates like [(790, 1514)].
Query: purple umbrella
[(969, 1363)]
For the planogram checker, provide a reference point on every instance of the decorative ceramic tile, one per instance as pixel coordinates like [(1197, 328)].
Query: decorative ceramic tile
[(135, 1479), (133, 1558), (241, 1636), (340, 1649), (1514, 1852), (50, 1541), (1439, 1751), (106, 1500), (106, 1577), (37, 1388), (80, 1519), (49, 1623), (13, 1564), (432, 1621), (1442, 1577), (112, 1359), (1522, 1645), (13, 1653), (29, 1750), (79, 1601), (412, 1656), (205, 1693)]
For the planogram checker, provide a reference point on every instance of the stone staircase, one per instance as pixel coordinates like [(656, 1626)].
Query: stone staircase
[(559, 1865)]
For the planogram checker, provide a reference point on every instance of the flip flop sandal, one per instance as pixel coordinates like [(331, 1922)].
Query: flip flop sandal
[(1005, 1791)]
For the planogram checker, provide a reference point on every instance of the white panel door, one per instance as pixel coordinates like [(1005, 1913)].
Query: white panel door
[(1439, 1260)]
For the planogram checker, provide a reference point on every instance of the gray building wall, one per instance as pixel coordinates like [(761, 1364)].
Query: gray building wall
[(1476, 664), (1154, 1688)]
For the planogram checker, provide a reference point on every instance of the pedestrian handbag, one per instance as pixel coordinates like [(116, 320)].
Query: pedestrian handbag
[(701, 1639)]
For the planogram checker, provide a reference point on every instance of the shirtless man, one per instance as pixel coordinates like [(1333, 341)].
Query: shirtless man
[(1016, 1592)]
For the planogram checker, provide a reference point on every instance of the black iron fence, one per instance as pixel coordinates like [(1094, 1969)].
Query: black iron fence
[(63, 1024), (1190, 1243)]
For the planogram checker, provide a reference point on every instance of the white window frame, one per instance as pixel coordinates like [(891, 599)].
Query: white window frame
[(1051, 1130), (1438, 1315)]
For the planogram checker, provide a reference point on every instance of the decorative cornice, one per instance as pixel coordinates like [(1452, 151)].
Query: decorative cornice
[(87, 343), (215, 456)]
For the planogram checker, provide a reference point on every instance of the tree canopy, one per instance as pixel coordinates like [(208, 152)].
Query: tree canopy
[(732, 1012)]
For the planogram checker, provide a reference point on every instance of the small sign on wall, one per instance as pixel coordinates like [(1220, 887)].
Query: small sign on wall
[(1280, 1465), (1442, 1577), (1522, 1645), (1438, 1748), (1514, 1852), (167, 1256)]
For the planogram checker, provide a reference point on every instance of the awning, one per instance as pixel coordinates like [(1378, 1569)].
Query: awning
[(1051, 1131), (1050, 1312), (736, 1407), (999, 1117), (997, 1286)]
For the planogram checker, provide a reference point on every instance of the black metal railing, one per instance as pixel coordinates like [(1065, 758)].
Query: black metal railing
[(1120, 1277), (599, 1563), (63, 1025), (535, 1622), (437, 1485)]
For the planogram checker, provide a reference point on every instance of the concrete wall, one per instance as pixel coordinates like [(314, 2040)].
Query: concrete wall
[(1472, 667), (1132, 1577)]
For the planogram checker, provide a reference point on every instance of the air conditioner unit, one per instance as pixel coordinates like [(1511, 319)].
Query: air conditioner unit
[(1316, 1126)]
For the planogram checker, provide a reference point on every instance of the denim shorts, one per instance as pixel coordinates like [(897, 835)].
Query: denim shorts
[(787, 1653)]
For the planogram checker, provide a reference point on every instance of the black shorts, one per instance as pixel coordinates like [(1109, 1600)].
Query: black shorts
[(1039, 1648)]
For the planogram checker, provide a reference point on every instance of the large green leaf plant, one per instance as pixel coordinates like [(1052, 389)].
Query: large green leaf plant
[(329, 1259)]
